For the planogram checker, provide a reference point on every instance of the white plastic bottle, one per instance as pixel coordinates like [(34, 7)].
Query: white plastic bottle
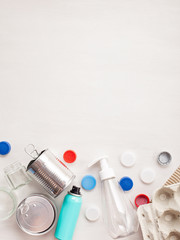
[(121, 217)]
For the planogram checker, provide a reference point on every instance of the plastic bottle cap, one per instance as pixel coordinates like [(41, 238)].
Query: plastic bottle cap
[(141, 199), (69, 156), (147, 175), (164, 158), (88, 182), (92, 213), (5, 148), (128, 159), (126, 183)]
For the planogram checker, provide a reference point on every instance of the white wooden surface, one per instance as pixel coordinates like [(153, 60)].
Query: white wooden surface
[(96, 76)]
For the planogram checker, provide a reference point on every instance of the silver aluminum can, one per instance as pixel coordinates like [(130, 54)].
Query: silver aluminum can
[(164, 158), (36, 214), (50, 172)]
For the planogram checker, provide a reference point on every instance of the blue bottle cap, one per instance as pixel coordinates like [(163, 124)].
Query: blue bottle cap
[(5, 148), (126, 183), (88, 182)]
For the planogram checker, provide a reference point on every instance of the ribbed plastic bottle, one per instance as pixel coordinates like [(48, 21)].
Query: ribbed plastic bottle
[(69, 215), (120, 215)]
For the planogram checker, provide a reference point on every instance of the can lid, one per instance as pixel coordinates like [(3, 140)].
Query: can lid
[(88, 182), (31, 150), (141, 199), (5, 148), (35, 215), (164, 158), (69, 156), (126, 183)]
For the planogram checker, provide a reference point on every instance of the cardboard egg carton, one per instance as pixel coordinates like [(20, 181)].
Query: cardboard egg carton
[(175, 178), (160, 220)]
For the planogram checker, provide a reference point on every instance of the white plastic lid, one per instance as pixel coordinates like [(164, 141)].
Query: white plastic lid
[(92, 213), (128, 159), (147, 175)]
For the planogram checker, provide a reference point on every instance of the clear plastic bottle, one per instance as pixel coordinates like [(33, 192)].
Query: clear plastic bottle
[(120, 215)]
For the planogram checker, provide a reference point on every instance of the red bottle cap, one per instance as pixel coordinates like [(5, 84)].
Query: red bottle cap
[(69, 156), (141, 199)]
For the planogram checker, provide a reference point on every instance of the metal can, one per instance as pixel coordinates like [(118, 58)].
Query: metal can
[(49, 171), (36, 215), (164, 158)]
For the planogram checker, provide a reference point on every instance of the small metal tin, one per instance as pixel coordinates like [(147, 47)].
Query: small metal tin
[(164, 158), (36, 215), (49, 171)]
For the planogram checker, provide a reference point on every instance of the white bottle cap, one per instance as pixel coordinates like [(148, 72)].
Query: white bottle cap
[(147, 175), (92, 213), (128, 159)]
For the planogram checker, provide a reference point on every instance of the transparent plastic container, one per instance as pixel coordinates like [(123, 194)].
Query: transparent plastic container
[(119, 213)]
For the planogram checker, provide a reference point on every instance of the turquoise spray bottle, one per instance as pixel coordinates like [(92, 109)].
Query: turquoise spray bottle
[(69, 214)]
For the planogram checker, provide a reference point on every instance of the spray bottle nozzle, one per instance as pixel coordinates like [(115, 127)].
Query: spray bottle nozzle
[(102, 160), (75, 190), (106, 172)]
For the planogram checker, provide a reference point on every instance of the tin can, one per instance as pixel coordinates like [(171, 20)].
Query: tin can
[(49, 171), (36, 214)]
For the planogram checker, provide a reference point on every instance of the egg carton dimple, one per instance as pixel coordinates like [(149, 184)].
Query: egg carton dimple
[(160, 220)]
